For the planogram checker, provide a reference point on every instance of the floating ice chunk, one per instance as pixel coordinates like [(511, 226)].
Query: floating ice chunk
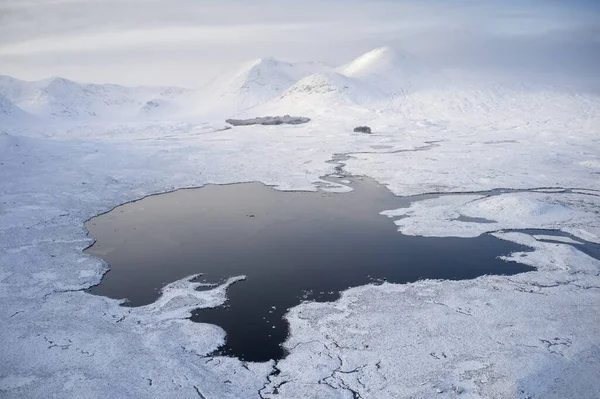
[(180, 298)]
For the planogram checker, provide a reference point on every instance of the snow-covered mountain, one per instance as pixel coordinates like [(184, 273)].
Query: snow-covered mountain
[(59, 98), (390, 71), (382, 80), (382, 61), (327, 90), (255, 83), (372, 80), (263, 85)]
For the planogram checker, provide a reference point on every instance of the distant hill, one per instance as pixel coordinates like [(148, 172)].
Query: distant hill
[(255, 83), (381, 80), (59, 98)]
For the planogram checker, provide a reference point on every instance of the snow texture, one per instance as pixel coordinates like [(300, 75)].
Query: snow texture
[(515, 154), (510, 211)]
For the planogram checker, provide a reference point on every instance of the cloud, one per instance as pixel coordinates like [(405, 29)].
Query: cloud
[(184, 42), (140, 38)]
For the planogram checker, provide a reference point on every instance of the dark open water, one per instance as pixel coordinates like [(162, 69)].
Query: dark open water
[(293, 246)]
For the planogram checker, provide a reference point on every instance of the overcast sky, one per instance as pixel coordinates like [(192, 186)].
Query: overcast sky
[(185, 42)]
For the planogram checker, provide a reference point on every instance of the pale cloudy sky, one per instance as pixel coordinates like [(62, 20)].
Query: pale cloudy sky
[(185, 42)]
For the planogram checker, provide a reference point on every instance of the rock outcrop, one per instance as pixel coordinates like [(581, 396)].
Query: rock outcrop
[(269, 120), (362, 129)]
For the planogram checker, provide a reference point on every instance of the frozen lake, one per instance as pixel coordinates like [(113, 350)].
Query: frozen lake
[(292, 246)]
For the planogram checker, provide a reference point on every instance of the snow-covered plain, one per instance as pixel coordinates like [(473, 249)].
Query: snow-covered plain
[(69, 151)]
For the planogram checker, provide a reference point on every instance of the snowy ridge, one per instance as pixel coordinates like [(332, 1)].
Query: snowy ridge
[(328, 89), (266, 83), (368, 81), (380, 61), (59, 98), (380, 81), (271, 75), (390, 71), (10, 113), (7, 107), (255, 83)]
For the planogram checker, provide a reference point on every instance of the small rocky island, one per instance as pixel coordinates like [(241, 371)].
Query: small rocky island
[(269, 120)]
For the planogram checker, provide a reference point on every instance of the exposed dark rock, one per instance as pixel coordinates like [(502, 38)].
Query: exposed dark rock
[(362, 129), (269, 120)]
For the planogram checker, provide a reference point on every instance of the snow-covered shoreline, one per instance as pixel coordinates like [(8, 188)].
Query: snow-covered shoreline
[(530, 335)]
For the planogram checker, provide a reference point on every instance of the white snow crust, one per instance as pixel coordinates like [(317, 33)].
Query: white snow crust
[(77, 150), (533, 210)]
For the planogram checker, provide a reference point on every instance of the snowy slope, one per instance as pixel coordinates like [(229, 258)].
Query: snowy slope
[(59, 98), (380, 61), (369, 82), (10, 113), (319, 93), (380, 81), (507, 105), (375, 81), (389, 70), (253, 84)]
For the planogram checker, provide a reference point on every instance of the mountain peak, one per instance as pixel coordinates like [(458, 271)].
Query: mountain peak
[(59, 84), (377, 61), (269, 70), (381, 51), (267, 61)]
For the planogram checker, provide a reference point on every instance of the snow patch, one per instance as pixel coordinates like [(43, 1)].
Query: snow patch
[(525, 210)]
